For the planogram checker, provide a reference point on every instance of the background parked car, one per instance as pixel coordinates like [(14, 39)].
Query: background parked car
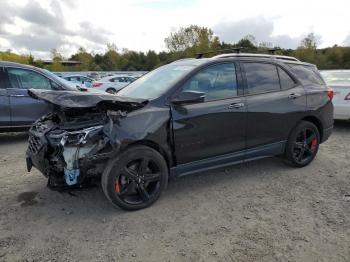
[(94, 75), (339, 81), (17, 109), (80, 80), (112, 84)]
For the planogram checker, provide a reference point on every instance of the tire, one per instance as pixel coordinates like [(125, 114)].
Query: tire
[(111, 91), (302, 145), (136, 178)]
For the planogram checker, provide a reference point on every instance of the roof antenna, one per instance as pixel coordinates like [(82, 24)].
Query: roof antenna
[(272, 51), (236, 50)]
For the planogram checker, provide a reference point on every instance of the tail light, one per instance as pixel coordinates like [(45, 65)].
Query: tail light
[(330, 93), (347, 97), (97, 84)]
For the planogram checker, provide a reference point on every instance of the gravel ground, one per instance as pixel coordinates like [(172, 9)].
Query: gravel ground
[(259, 211)]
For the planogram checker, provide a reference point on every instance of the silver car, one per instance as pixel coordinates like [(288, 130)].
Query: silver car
[(339, 81), (112, 84)]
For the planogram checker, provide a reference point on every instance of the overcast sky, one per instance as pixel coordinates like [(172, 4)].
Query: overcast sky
[(37, 26)]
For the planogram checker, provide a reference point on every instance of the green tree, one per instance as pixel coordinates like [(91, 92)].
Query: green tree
[(85, 58), (307, 51), (152, 60), (191, 40)]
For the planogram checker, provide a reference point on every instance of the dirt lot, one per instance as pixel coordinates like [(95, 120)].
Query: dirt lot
[(259, 211)]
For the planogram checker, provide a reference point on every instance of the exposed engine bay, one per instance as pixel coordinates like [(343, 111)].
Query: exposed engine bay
[(71, 144)]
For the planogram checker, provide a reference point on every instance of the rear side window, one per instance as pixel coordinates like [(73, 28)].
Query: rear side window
[(286, 81), (261, 77), (307, 74)]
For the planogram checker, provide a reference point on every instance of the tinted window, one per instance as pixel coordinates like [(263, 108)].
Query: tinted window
[(261, 77), (26, 79), (286, 81), (307, 74), (217, 82), (2, 80)]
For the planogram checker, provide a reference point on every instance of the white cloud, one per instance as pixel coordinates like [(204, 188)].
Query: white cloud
[(37, 26)]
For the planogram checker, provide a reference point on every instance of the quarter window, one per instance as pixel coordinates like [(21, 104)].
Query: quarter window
[(307, 74), (286, 81), (261, 78), (217, 82), (26, 79)]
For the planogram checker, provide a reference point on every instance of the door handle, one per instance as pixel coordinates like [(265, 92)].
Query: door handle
[(293, 96), (17, 95), (236, 105)]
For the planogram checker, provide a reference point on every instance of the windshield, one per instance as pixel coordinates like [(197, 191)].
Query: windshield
[(336, 77), (156, 82)]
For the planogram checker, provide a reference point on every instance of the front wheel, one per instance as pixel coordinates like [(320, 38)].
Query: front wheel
[(136, 178), (302, 145)]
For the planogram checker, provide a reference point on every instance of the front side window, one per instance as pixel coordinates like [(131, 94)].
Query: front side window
[(26, 79), (261, 77), (216, 82)]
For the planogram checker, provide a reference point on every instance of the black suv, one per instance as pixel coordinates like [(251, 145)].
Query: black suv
[(188, 116)]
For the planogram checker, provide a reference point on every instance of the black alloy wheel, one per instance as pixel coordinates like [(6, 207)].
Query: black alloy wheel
[(136, 178), (138, 181), (303, 144)]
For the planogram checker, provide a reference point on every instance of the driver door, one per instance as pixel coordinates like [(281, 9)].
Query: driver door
[(216, 126)]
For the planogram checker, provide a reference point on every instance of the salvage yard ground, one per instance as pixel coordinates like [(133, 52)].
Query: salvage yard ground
[(258, 211)]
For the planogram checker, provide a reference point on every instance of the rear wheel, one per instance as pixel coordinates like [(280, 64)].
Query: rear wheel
[(302, 145), (136, 178)]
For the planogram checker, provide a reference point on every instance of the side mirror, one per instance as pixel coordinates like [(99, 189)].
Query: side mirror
[(186, 97)]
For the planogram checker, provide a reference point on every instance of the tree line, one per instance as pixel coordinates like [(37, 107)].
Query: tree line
[(184, 43)]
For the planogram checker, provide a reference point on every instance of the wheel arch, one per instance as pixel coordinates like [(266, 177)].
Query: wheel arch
[(156, 147), (317, 122)]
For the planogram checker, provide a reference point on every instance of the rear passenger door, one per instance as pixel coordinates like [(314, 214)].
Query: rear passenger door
[(5, 114), (275, 100), (25, 109)]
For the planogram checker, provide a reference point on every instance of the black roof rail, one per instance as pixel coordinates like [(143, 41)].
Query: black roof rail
[(236, 50), (266, 56)]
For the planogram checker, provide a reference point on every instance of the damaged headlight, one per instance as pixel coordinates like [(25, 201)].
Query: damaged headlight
[(77, 145)]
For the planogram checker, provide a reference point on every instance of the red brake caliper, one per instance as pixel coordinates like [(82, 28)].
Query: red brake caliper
[(313, 144), (117, 186)]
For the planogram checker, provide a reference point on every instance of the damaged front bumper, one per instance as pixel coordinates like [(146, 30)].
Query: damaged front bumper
[(69, 158), (72, 144)]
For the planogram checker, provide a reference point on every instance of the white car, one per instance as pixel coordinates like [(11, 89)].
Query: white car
[(112, 84), (81, 80), (339, 81)]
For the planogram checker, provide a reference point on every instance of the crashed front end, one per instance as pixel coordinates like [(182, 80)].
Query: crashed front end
[(72, 144)]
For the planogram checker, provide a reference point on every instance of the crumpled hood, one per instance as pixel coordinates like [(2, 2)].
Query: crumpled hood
[(73, 99)]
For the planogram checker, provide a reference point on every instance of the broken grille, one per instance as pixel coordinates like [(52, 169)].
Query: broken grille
[(34, 144)]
